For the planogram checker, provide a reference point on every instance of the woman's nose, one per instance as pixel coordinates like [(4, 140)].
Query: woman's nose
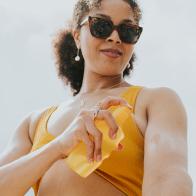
[(114, 37)]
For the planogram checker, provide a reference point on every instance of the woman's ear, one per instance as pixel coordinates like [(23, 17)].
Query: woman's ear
[(76, 36)]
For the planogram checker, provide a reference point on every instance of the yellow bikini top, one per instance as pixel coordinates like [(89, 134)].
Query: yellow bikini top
[(124, 169)]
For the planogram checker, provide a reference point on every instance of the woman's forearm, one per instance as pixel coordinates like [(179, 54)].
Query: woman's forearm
[(18, 176)]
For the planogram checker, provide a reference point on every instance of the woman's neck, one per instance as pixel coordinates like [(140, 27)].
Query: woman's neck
[(93, 82), (102, 89)]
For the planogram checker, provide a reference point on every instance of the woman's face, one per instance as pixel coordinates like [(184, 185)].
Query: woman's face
[(105, 62)]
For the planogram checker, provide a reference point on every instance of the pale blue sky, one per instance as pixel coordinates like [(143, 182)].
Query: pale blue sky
[(28, 80)]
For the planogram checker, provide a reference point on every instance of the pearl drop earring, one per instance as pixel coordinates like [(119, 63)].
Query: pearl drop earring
[(77, 58)]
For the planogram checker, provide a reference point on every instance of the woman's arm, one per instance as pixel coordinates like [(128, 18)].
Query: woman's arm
[(18, 171), (165, 158)]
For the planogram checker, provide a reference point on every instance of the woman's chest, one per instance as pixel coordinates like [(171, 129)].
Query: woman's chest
[(64, 115), (62, 181)]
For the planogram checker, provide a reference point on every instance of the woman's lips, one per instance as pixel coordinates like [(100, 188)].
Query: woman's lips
[(112, 53)]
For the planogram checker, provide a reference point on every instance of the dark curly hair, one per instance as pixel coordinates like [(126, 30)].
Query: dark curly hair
[(65, 49)]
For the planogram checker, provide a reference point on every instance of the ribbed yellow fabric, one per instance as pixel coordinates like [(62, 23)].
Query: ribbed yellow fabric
[(124, 169)]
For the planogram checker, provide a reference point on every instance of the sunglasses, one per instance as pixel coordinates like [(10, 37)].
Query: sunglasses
[(102, 28)]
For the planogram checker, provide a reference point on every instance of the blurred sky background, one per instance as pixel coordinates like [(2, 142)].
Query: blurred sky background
[(166, 56)]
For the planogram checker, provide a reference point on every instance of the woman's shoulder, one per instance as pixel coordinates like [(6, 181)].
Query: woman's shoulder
[(153, 101), (159, 96), (154, 93), (149, 96), (156, 89)]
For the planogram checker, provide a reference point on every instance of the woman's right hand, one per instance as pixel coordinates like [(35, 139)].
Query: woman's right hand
[(83, 129)]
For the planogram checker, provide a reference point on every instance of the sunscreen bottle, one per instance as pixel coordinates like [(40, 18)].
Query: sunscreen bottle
[(77, 159)]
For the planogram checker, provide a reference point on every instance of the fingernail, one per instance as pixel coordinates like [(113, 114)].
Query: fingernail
[(111, 133), (114, 136), (90, 160)]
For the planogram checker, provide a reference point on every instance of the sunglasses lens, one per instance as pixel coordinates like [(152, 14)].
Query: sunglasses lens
[(100, 28), (129, 34)]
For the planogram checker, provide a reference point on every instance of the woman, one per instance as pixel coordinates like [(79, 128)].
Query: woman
[(94, 56)]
